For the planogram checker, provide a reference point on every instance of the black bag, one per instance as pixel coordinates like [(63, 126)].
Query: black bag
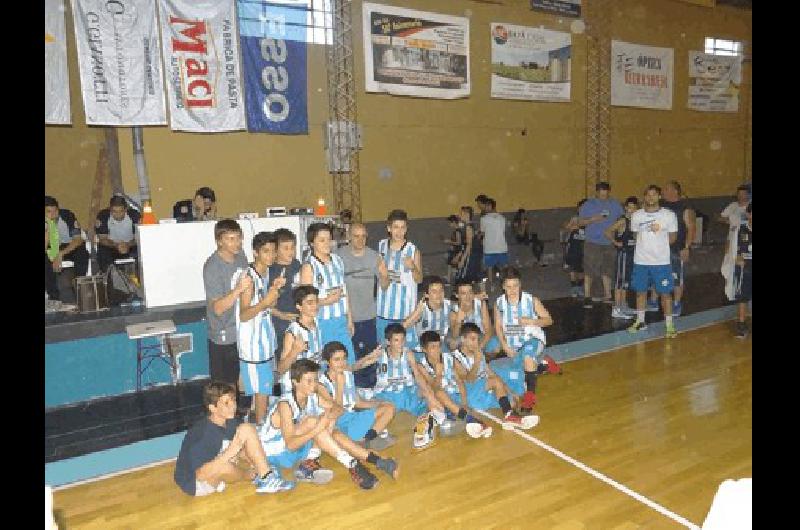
[(121, 289)]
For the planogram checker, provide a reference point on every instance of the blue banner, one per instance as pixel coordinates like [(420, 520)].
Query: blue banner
[(273, 43)]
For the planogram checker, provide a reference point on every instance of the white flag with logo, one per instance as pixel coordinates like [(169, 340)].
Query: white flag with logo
[(118, 59), (56, 76), (201, 59)]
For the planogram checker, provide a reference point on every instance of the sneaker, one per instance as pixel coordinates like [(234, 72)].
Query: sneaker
[(362, 477), (677, 307), (628, 310), (652, 305), (618, 312), (741, 330), (388, 466), (587, 303), (452, 427), (637, 326), (423, 434), (552, 366), (512, 420), (530, 421), (528, 400), (438, 416), (311, 471), (477, 429), (670, 332), (273, 483)]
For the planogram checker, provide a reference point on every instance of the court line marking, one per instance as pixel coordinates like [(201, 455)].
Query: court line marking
[(114, 474), (596, 474)]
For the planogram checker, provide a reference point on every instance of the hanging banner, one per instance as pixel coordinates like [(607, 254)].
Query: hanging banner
[(714, 82), (570, 8), (120, 69), (273, 37), (415, 53), (201, 58), (530, 63), (56, 76), (641, 76)]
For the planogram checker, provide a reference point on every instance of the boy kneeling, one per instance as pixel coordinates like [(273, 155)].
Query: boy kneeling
[(302, 418)]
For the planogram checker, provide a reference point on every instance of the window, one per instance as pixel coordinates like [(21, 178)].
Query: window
[(723, 47), (311, 20)]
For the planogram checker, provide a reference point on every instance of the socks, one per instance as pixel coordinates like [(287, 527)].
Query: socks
[(668, 319), (530, 381), (640, 316), (314, 453), (344, 458), (265, 475), (371, 435), (372, 458), (462, 413), (504, 405), (438, 416)]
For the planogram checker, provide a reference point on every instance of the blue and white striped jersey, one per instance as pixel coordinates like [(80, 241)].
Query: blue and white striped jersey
[(272, 437), (475, 316), (393, 374), (326, 277), (516, 333), (348, 392), (467, 362), (448, 381), (255, 339), (435, 319), (400, 298), (312, 337)]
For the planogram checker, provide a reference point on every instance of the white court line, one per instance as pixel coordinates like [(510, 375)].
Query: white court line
[(596, 474), (114, 474)]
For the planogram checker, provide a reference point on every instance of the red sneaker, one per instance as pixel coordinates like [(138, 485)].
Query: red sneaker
[(552, 366), (512, 420), (528, 400)]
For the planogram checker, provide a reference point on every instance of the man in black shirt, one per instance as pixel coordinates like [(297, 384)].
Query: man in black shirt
[(215, 446), (202, 208), (679, 250)]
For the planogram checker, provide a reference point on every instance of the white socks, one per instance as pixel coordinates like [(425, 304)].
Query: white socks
[(313, 453), (640, 316), (344, 458), (438, 416)]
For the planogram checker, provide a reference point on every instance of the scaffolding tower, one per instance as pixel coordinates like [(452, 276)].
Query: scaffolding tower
[(598, 92)]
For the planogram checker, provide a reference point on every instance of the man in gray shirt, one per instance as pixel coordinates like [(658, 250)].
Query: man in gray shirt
[(221, 295), (361, 265)]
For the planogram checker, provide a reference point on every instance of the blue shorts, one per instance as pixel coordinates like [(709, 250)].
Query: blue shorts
[(406, 399), (380, 327), (287, 459), (478, 397), (257, 378), (335, 328), (660, 276), (495, 260), (355, 424), (493, 345), (512, 369)]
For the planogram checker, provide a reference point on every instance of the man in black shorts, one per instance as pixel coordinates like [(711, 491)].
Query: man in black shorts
[(573, 253), (743, 275)]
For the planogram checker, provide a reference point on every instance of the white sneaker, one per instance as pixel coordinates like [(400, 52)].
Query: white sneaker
[(618, 312), (477, 430), (438, 416), (530, 421)]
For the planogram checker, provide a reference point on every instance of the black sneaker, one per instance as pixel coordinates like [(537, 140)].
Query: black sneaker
[(362, 477), (388, 466), (587, 303), (741, 330)]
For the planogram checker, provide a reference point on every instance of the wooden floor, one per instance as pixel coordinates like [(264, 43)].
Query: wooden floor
[(668, 419)]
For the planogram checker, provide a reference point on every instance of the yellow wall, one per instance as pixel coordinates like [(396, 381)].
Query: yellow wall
[(442, 153)]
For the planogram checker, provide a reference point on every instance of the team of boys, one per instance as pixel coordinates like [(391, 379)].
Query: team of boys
[(433, 362)]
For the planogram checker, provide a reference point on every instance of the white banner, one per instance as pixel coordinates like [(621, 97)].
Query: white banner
[(714, 82), (415, 53), (201, 58), (121, 80), (530, 63), (56, 76), (641, 76)]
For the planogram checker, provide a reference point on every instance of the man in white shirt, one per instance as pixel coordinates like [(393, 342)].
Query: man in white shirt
[(733, 214), (495, 248), (655, 228)]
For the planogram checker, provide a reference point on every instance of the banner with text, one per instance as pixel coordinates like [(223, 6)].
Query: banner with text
[(201, 59), (56, 76), (641, 76), (570, 8), (415, 53), (273, 35), (530, 63), (118, 59), (714, 82)]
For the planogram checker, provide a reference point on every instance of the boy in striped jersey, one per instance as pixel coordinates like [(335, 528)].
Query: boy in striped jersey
[(325, 271), (302, 337), (362, 419), (519, 318), (438, 369), (473, 309), (484, 388), (431, 314), (255, 336), (400, 270), (302, 418)]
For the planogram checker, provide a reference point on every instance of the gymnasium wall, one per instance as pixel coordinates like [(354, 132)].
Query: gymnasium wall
[(439, 153)]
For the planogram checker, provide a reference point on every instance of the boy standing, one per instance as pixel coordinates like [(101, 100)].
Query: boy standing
[(302, 338), (624, 239), (431, 314), (472, 309), (743, 274), (495, 248), (286, 265), (573, 253), (212, 448)]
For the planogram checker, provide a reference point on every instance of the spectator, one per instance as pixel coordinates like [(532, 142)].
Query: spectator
[(202, 208), (71, 245), (116, 232), (597, 215), (495, 248), (679, 250)]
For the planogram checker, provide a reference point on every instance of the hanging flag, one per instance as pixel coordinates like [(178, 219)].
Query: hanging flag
[(56, 76), (118, 59), (201, 58), (273, 36)]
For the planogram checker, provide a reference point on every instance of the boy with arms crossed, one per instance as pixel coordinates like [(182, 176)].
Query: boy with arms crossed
[(472, 309), (432, 313), (302, 338)]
